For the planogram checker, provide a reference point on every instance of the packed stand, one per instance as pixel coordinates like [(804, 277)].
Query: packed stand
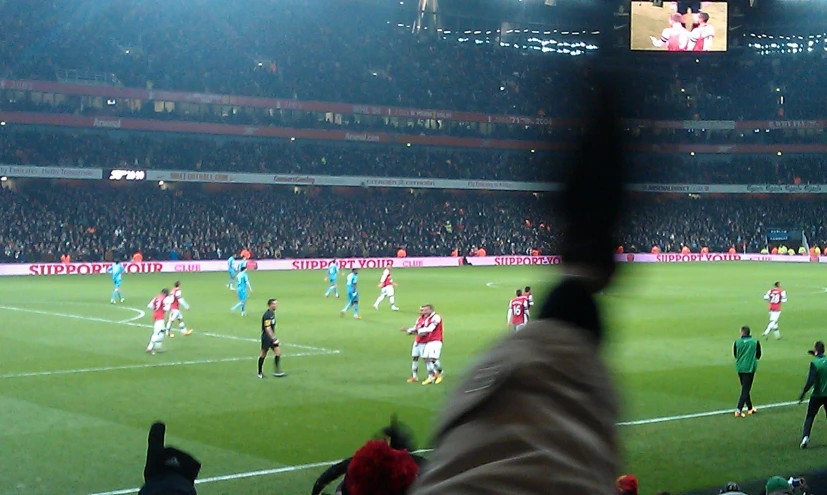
[(302, 52), (269, 156), (104, 222), (738, 169), (307, 54), (719, 224), (68, 149)]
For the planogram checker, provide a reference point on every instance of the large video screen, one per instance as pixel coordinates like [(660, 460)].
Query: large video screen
[(679, 27)]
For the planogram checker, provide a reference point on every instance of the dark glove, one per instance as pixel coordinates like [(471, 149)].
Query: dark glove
[(168, 471), (399, 436)]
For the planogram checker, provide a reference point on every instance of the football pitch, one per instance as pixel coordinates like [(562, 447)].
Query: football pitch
[(78, 392)]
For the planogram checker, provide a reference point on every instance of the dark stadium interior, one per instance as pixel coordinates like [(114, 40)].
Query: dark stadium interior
[(494, 95)]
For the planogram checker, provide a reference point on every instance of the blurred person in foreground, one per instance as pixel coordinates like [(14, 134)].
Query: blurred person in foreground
[(537, 414), (383, 466), (732, 488), (780, 486)]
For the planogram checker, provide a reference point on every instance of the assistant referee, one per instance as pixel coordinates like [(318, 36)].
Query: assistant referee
[(816, 380), (747, 352), (269, 340)]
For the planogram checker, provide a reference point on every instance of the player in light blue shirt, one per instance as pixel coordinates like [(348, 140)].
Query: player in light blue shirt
[(117, 270), (352, 294), (231, 271), (242, 286), (332, 275)]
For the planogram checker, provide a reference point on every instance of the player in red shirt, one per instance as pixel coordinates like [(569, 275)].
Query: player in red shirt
[(518, 312), (675, 37), (387, 285), (701, 36), (159, 306), (176, 302), (418, 349), (433, 345), (528, 296), (775, 296)]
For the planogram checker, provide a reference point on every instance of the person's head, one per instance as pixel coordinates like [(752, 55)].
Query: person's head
[(731, 487), (165, 291), (626, 485), (272, 304), (777, 285), (355, 271), (378, 469), (818, 347), (429, 309), (745, 331), (519, 293), (676, 19), (423, 311), (177, 284), (703, 17), (527, 289), (778, 486)]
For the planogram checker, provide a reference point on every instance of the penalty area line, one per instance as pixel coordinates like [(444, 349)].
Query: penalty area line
[(131, 322), (101, 369), (302, 467)]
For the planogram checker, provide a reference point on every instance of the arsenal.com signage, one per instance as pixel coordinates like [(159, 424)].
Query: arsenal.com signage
[(54, 269)]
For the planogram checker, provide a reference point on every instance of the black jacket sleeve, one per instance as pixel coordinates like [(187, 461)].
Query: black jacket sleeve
[(811, 380), (758, 350), (332, 473)]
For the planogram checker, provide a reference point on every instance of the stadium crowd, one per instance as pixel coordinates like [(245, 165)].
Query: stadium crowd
[(104, 222), (310, 55), (269, 156), (76, 149), (94, 224)]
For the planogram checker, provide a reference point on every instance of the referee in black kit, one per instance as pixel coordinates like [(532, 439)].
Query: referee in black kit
[(269, 340)]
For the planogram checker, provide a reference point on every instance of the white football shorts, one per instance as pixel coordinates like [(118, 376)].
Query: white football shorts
[(159, 326), (418, 350), (774, 316), (387, 291), (433, 350), (174, 314)]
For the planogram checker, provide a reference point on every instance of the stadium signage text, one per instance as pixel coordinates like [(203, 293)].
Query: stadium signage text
[(50, 172), (520, 260), (91, 268)]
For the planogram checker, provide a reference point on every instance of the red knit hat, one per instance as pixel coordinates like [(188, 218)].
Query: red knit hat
[(377, 469), (627, 485)]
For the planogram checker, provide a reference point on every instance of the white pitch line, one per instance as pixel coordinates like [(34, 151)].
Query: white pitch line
[(140, 312), (302, 467), (667, 419), (100, 369), (131, 323)]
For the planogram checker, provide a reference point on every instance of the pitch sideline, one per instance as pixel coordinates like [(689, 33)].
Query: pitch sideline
[(302, 467)]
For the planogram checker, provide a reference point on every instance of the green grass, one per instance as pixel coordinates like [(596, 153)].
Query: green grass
[(670, 342)]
